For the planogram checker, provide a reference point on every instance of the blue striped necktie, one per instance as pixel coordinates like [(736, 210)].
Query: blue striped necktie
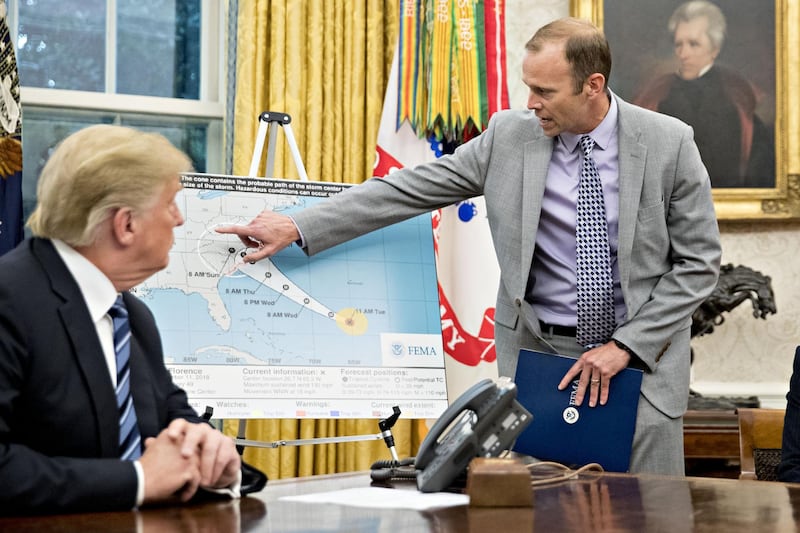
[(129, 437), (595, 284)]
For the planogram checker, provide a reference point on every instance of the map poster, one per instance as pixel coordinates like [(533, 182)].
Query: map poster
[(348, 333)]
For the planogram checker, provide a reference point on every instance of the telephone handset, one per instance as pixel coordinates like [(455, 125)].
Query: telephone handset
[(483, 422)]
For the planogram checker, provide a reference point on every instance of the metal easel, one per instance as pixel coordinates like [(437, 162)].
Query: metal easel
[(267, 122), (384, 424)]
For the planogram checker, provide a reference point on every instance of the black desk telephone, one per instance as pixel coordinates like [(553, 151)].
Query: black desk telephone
[(483, 422)]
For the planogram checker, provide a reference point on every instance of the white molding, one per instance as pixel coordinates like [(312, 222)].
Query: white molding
[(116, 103), (772, 395), (111, 47), (212, 50)]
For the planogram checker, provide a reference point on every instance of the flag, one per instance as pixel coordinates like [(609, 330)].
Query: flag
[(11, 225), (467, 269)]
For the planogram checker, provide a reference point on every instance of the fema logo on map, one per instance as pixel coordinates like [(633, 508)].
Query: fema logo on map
[(397, 349)]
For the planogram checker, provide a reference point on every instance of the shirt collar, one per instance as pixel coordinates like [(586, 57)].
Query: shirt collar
[(704, 70), (98, 291), (601, 134)]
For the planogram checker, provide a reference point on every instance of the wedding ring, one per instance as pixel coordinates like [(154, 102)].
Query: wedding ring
[(595, 381)]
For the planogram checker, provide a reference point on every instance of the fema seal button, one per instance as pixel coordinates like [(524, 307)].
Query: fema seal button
[(571, 415)]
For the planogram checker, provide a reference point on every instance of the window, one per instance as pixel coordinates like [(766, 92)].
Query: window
[(149, 64)]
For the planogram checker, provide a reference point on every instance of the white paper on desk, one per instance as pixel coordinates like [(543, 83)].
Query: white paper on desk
[(384, 498)]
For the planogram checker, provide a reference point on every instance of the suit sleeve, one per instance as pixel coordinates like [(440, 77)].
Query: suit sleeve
[(789, 467), (680, 242), (411, 191)]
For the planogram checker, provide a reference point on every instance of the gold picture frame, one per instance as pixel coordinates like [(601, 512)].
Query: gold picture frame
[(781, 202)]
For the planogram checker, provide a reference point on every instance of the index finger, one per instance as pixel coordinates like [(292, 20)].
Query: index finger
[(194, 438), (209, 459), (243, 232), (574, 370), (235, 229), (176, 429)]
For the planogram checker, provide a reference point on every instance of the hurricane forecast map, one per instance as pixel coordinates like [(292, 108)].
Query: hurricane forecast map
[(350, 332)]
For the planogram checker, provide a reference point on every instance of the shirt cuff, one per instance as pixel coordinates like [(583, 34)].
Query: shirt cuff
[(139, 483), (234, 490), (301, 242)]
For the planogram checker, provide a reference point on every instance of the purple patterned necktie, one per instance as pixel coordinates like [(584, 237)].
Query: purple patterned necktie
[(594, 281), (130, 441)]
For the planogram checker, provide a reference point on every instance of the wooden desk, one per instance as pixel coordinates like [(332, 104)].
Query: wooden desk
[(607, 502)]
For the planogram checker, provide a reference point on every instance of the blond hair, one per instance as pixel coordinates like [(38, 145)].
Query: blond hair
[(97, 170)]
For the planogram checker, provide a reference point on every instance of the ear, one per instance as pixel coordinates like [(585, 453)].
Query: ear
[(123, 226), (595, 83)]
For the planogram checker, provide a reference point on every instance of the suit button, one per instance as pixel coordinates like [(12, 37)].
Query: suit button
[(518, 302)]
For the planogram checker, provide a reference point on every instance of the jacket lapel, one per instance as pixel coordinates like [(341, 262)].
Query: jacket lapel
[(536, 160), (85, 347), (632, 155), (145, 400)]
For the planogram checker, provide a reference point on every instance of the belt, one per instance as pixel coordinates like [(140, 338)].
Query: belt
[(556, 329)]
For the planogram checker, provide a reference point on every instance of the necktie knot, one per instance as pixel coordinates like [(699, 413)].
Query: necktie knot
[(118, 310), (587, 145)]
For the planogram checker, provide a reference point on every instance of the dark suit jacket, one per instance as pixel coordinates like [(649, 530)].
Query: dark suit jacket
[(789, 468), (58, 415)]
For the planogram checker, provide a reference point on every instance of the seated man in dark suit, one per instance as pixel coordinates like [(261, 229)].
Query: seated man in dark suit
[(90, 418), (789, 467)]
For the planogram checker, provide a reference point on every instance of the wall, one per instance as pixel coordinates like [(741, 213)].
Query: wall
[(744, 356)]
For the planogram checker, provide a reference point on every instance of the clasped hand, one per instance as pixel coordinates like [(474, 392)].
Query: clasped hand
[(184, 457)]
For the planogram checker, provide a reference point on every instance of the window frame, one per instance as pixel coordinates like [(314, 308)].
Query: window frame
[(210, 105)]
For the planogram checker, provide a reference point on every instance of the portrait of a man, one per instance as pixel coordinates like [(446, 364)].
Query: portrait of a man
[(696, 61)]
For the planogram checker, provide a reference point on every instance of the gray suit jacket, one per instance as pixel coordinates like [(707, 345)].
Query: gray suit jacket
[(669, 249)]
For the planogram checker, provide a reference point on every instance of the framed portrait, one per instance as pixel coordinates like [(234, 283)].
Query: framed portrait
[(728, 68)]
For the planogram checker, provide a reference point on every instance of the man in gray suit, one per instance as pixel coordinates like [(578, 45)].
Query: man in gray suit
[(663, 239)]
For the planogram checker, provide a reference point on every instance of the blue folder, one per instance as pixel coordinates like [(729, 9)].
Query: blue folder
[(569, 434)]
